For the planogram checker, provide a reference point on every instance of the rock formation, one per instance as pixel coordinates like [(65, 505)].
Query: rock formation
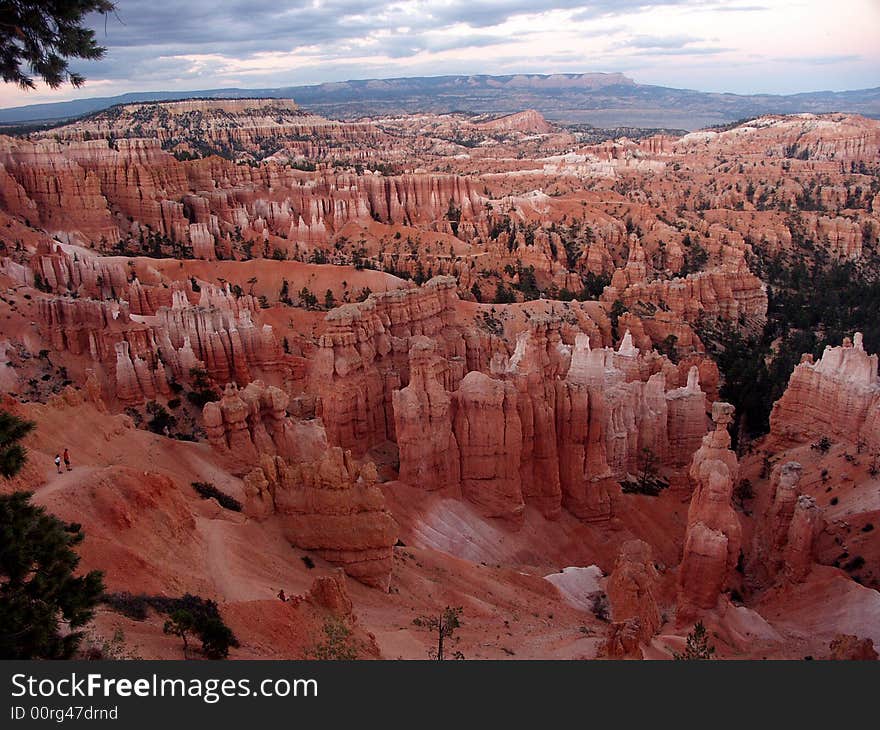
[(837, 397), (846, 647), (714, 535), (632, 586), (785, 541), (423, 413), (489, 435), (252, 421), (333, 506)]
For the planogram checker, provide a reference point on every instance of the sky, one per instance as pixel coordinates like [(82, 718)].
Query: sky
[(740, 46)]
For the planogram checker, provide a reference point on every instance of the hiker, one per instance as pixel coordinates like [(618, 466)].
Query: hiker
[(58, 462), (281, 596), (67, 459)]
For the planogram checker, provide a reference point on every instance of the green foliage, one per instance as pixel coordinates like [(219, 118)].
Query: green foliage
[(13, 455), (189, 616), (648, 481), (161, 420), (617, 308), (206, 490), (743, 492), (445, 625), (42, 36), (38, 589), (697, 646), (338, 643), (695, 259), (810, 306), (202, 392), (181, 624), (329, 299), (503, 295), (309, 300), (527, 283), (668, 347), (594, 285), (284, 294)]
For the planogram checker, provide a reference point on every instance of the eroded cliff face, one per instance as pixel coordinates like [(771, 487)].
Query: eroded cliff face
[(552, 425), (837, 397), (784, 546), (330, 505)]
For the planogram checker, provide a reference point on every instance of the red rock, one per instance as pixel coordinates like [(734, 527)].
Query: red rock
[(714, 534), (838, 397), (846, 647), (489, 435), (623, 641), (423, 412), (329, 592), (632, 587), (333, 506)]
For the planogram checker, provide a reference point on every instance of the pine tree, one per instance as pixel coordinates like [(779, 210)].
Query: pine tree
[(445, 626), (697, 646), (38, 589), (42, 35), (12, 454)]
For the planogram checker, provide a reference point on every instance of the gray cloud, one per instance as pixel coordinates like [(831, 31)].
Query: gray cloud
[(152, 45)]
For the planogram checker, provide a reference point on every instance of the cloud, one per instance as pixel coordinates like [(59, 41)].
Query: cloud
[(173, 45), (650, 42), (823, 60)]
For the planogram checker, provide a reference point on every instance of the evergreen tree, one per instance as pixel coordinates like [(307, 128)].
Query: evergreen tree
[(38, 589), (42, 35), (181, 624), (697, 646), (12, 454), (444, 625)]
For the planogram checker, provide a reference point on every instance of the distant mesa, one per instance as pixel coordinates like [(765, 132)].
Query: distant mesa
[(597, 99)]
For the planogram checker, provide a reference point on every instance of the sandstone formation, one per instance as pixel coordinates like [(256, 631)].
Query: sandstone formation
[(632, 586), (247, 423), (623, 640), (333, 506), (784, 546), (846, 647), (423, 412), (489, 435), (837, 397), (714, 534)]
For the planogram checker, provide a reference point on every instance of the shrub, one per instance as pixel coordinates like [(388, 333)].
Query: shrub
[(12, 454), (338, 644), (206, 490), (162, 421), (189, 615), (855, 564), (600, 607)]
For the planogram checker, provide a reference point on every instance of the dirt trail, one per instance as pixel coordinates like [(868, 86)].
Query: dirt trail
[(56, 482)]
